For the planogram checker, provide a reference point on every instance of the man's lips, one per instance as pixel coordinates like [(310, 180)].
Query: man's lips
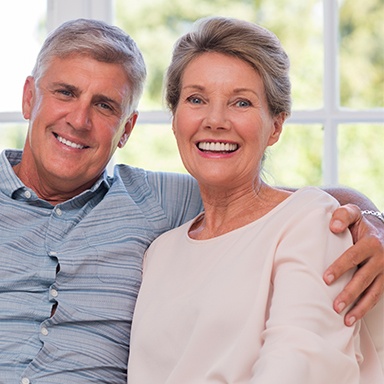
[(217, 146), (69, 143)]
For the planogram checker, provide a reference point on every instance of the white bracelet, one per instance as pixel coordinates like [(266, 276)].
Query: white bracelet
[(379, 215)]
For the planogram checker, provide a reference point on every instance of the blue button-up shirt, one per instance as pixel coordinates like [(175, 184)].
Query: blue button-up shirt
[(83, 257)]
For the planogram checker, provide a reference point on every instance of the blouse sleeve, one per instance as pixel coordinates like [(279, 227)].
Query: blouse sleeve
[(305, 340)]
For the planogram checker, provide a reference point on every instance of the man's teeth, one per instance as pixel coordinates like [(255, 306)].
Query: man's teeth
[(217, 147), (69, 143)]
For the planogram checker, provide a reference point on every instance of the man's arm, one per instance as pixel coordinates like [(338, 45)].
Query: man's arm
[(350, 196), (367, 284)]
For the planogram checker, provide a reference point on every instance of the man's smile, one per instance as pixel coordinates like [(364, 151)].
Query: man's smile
[(69, 143)]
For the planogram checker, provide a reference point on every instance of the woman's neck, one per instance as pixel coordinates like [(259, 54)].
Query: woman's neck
[(226, 211)]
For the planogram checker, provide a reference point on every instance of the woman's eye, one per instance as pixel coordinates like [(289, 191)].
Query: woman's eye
[(194, 100), (243, 103)]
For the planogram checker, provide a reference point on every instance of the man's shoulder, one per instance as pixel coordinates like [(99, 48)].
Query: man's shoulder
[(146, 178)]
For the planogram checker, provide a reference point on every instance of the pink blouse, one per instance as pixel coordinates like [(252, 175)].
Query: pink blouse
[(249, 306)]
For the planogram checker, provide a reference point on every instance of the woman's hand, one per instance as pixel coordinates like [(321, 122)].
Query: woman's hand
[(367, 284)]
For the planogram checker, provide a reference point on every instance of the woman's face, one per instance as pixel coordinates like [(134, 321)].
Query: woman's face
[(222, 123)]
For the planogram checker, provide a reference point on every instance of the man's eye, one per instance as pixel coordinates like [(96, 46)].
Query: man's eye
[(105, 106), (106, 109), (64, 92)]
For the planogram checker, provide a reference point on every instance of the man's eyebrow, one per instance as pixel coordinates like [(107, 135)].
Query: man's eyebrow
[(67, 86)]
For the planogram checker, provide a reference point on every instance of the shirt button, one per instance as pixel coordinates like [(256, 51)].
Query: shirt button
[(25, 380), (27, 194), (44, 331), (59, 212), (54, 292)]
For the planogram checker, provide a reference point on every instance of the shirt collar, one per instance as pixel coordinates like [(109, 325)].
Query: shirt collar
[(11, 184)]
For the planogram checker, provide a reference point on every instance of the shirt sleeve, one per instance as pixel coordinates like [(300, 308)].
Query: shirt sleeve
[(178, 194), (305, 340)]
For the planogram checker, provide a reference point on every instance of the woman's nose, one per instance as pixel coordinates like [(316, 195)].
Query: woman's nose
[(216, 117)]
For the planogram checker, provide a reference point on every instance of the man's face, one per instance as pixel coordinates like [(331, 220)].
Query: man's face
[(78, 116)]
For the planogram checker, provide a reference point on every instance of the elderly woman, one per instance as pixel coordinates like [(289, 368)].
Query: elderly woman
[(237, 295)]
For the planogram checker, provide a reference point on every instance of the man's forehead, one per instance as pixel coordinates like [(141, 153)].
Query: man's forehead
[(79, 69)]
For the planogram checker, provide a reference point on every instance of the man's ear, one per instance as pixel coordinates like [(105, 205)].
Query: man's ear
[(278, 122), (28, 96), (131, 122)]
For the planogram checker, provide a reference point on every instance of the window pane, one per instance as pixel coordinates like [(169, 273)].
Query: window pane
[(295, 160), (12, 135), (299, 26), (361, 164), (156, 25), (151, 147), (22, 28), (362, 53)]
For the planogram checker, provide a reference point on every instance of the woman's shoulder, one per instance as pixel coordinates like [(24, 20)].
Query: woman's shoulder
[(313, 196), (305, 205)]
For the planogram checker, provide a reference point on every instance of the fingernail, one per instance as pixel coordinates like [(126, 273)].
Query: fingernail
[(340, 307), (329, 278), (337, 224), (351, 320)]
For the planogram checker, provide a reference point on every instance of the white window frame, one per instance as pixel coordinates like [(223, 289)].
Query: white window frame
[(330, 116), (59, 11)]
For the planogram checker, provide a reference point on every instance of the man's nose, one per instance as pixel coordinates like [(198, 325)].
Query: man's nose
[(80, 116)]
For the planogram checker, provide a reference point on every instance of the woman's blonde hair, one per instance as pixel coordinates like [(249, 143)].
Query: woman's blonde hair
[(244, 40)]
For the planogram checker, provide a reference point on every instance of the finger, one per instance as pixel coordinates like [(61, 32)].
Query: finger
[(351, 258), (343, 217), (361, 280), (367, 301)]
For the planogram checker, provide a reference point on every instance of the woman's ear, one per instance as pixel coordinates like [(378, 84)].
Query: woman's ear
[(173, 126), (278, 122)]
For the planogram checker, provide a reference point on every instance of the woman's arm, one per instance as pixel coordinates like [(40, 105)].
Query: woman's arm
[(304, 337), (367, 285)]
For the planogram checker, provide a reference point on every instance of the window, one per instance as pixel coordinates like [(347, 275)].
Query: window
[(22, 33), (336, 131), (21, 36)]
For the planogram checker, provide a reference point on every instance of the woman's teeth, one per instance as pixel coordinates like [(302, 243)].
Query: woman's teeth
[(217, 147)]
